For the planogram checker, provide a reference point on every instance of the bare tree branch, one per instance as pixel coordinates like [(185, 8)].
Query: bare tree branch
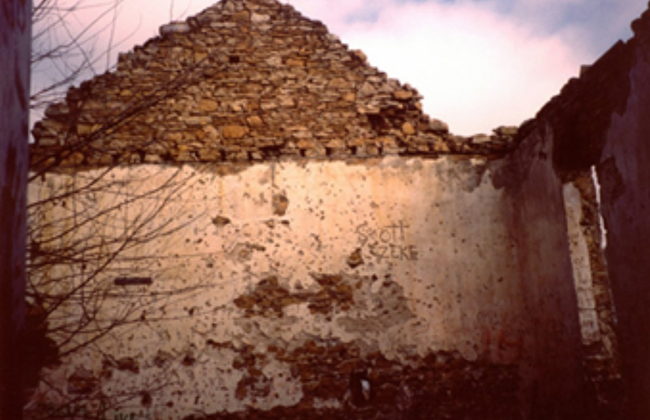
[(79, 245)]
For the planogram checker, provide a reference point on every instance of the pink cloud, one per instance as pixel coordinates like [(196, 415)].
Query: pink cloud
[(475, 68), (478, 64)]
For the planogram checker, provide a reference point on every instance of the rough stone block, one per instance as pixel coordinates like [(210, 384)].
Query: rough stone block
[(255, 121), (208, 105), (234, 131), (408, 129), (403, 95)]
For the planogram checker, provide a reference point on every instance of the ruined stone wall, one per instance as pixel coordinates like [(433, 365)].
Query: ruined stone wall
[(246, 220), (390, 288), (243, 82), (14, 94), (598, 125)]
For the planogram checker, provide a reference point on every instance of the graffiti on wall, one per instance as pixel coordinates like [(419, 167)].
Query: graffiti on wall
[(387, 242)]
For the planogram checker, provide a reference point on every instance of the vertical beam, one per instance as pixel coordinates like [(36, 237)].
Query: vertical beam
[(15, 31)]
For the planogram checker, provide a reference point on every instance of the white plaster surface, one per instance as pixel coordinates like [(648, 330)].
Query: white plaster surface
[(439, 271), (589, 324)]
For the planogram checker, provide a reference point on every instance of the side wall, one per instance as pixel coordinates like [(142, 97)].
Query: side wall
[(624, 172), (538, 228), (600, 131), (14, 96)]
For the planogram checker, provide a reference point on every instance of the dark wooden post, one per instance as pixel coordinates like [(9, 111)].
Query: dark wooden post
[(15, 33)]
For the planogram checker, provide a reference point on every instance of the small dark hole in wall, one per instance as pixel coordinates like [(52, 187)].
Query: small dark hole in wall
[(146, 399), (133, 281), (233, 59), (188, 360), (377, 122), (360, 389)]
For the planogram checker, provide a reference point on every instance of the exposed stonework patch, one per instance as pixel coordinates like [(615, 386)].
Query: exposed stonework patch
[(355, 259), (280, 204), (268, 299), (336, 293), (385, 301), (82, 381), (341, 382), (593, 288)]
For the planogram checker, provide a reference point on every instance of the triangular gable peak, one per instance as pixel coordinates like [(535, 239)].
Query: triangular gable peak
[(242, 81)]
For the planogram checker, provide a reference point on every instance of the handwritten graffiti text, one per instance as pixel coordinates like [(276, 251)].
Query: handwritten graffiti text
[(387, 242)]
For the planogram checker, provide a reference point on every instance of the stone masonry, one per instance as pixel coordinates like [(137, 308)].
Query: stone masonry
[(248, 221), (243, 82)]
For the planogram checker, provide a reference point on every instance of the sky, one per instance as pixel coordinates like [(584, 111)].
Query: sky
[(478, 63)]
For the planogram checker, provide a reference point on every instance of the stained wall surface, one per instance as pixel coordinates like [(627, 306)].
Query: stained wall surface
[(538, 219), (600, 134), (14, 93), (624, 175), (319, 287)]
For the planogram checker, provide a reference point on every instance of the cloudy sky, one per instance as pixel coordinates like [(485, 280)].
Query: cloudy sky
[(478, 63)]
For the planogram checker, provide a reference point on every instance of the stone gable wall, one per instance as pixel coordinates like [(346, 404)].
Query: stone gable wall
[(243, 82)]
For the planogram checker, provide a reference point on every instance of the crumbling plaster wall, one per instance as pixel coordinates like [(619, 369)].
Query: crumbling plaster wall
[(448, 267)]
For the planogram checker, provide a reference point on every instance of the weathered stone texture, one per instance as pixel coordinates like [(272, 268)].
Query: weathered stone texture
[(242, 81)]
